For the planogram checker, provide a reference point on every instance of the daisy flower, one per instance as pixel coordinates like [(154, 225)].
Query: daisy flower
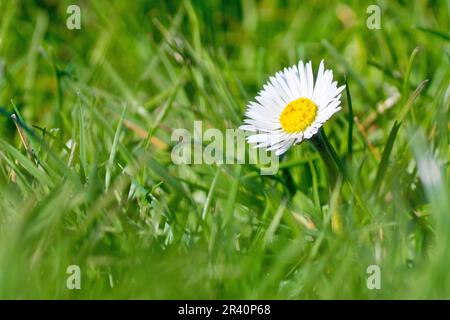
[(291, 107)]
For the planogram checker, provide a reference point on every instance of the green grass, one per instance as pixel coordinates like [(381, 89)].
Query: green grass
[(112, 202)]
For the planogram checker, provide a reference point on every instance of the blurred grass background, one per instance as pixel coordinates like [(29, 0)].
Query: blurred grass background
[(99, 189)]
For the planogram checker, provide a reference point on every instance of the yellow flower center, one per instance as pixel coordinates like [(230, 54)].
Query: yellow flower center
[(298, 115)]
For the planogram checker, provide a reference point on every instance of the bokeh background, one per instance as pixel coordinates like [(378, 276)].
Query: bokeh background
[(86, 176)]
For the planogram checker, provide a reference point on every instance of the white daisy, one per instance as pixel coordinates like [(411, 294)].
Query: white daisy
[(291, 107)]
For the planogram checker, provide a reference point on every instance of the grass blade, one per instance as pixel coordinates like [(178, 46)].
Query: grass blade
[(113, 152), (382, 167), (350, 122)]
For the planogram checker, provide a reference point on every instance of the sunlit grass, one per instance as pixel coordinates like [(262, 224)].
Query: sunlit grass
[(86, 176)]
